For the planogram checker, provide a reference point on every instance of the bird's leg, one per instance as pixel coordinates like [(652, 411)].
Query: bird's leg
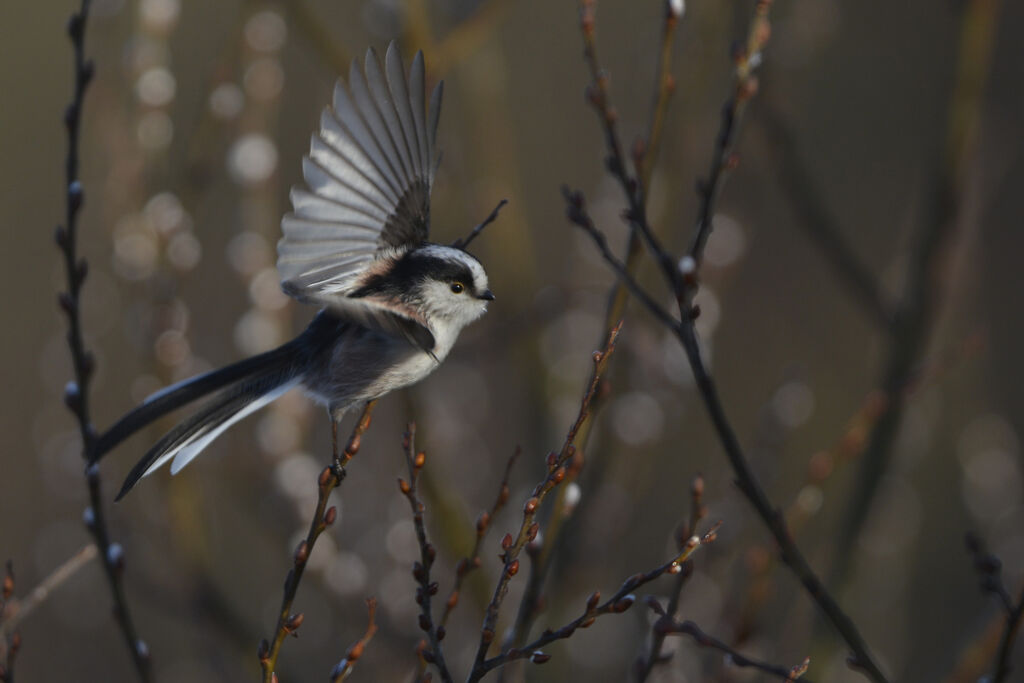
[(334, 438)]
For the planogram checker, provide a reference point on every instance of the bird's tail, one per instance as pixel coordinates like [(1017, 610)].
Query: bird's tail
[(242, 389)]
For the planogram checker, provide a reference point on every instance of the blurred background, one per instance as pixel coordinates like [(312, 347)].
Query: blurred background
[(193, 134)]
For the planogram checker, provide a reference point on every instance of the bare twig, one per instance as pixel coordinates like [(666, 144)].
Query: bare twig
[(76, 393), (344, 668), (558, 464), (432, 653), (669, 626), (14, 611), (697, 512), (745, 84), (463, 242), (330, 478), (621, 601)]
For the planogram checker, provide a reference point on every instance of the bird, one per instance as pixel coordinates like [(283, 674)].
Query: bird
[(392, 303)]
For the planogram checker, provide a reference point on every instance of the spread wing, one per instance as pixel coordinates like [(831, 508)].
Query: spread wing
[(368, 173)]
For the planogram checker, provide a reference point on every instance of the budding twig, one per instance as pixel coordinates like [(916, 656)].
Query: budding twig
[(432, 654), (344, 668), (76, 394), (330, 478), (557, 470), (621, 601), (669, 626)]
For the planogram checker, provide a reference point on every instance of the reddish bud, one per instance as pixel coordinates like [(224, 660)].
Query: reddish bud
[(531, 506), (403, 486), (420, 460), (325, 476), (301, 553), (506, 541), (482, 521), (539, 657), (513, 568), (294, 622)]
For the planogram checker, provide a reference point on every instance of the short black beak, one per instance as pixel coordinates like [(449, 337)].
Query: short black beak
[(488, 295)]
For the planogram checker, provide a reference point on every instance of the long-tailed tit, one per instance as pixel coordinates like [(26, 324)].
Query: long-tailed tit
[(355, 244)]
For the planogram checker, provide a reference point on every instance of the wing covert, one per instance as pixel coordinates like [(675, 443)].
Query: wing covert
[(368, 177)]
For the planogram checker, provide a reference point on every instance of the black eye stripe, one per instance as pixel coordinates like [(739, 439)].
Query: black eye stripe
[(409, 271)]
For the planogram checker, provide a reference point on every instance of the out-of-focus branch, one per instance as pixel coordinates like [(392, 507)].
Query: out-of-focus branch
[(918, 303), (76, 393), (330, 478), (483, 525), (814, 218), (558, 465), (687, 530), (989, 568), (669, 626), (344, 668), (13, 610), (432, 654), (621, 601)]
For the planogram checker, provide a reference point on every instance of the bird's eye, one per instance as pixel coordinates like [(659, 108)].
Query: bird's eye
[(457, 287)]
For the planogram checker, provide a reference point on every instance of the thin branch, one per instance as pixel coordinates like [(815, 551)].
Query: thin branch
[(819, 225), (558, 464), (745, 85), (14, 611), (669, 626), (76, 393), (344, 668), (421, 569), (621, 601), (330, 478), (697, 512), (463, 242)]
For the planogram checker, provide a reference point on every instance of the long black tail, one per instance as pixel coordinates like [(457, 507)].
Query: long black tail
[(244, 388), (177, 395)]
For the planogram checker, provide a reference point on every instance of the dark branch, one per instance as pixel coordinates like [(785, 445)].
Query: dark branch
[(432, 653), (76, 393), (666, 625), (463, 242)]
